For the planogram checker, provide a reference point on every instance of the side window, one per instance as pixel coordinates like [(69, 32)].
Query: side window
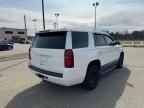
[(109, 41), (79, 40), (95, 40), (99, 40)]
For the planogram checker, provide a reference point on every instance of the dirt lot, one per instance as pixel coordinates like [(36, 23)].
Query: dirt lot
[(121, 88)]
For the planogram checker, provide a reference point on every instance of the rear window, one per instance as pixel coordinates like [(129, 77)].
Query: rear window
[(79, 40), (51, 40), (2, 42)]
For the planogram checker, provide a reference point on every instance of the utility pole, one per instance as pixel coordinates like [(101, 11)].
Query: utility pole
[(43, 14), (25, 24), (95, 5), (55, 25)]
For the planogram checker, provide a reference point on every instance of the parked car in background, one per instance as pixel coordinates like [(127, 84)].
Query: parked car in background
[(5, 45)]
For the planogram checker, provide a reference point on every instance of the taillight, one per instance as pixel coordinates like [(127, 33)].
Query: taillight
[(68, 58), (30, 53)]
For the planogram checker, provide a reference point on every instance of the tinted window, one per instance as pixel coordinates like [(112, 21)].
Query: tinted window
[(51, 40), (109, 41), (8, 32), (21, 33), (79, 40), (100, 40)]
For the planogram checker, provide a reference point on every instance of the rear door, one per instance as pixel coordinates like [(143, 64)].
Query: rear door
[(47, 51), (114, 53), (104, 51)]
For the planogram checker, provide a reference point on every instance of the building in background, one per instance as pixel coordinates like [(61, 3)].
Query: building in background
[(16, 35)]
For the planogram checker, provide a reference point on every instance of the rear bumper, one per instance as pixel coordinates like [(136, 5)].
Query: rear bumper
[(68, 77), (45, 72)]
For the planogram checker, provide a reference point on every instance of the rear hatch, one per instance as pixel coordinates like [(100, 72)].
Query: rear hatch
[(47, 51)]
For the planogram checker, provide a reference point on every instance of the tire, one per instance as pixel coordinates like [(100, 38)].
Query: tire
[(120, 62), (91, 79), (9, 47)]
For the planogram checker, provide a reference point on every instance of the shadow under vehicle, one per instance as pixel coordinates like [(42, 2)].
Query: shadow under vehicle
[(47, 95)]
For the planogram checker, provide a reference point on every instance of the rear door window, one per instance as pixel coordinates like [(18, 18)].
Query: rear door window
[(50, 40), (99, 40), (79, 40)]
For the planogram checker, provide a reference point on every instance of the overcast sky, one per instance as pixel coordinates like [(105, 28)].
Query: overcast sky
[(112, 15)]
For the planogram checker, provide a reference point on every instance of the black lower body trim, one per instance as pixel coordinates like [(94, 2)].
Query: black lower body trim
[(46, 72), (111, 64)]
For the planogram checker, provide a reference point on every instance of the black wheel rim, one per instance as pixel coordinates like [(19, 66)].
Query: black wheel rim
[(9, 47)]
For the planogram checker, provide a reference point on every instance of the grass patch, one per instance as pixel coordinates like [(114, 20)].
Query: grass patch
[(132, 43)]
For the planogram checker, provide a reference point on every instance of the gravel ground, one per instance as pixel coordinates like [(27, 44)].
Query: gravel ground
[(121, 88)]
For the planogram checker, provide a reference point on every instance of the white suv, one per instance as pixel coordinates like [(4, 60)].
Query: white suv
[(69, 57)]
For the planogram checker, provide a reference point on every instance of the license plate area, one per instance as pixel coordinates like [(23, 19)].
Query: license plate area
[(43, 60)]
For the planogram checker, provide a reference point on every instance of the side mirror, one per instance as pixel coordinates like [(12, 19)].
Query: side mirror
[(116, 43)]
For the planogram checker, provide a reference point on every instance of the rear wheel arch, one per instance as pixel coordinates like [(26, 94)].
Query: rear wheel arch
[(96, 63), (92, 75)]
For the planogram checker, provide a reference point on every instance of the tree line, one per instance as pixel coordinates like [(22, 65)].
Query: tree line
[(135, 35)]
